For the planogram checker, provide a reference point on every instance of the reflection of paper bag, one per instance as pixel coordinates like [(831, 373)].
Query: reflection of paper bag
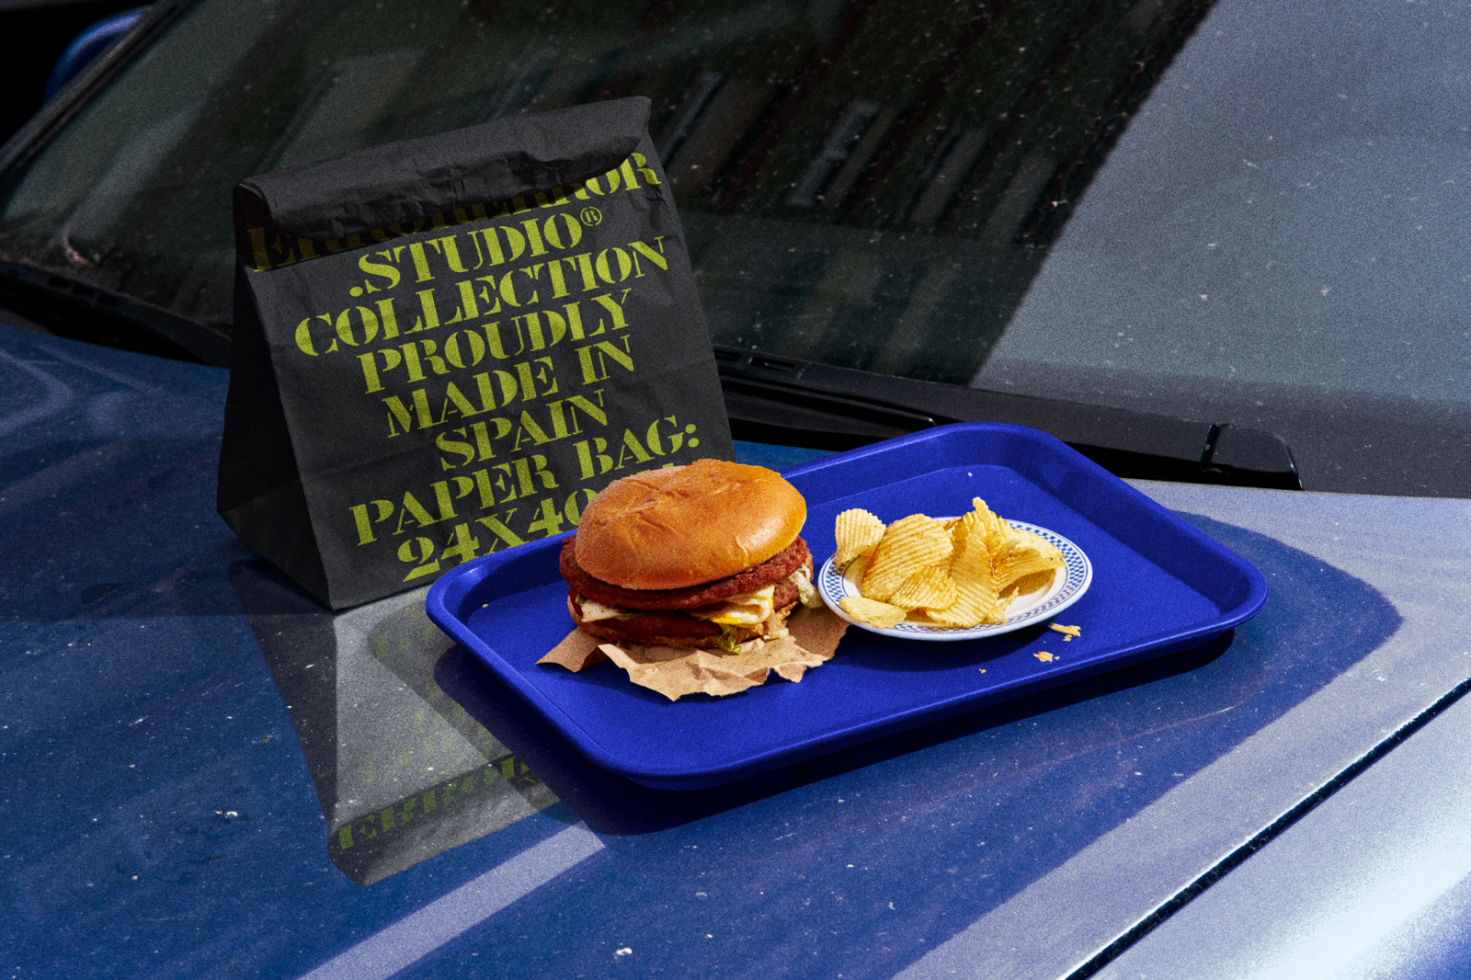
[(444, 347), (813, 639)]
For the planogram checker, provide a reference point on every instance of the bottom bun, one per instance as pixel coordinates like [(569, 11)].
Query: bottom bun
[(675, 629)]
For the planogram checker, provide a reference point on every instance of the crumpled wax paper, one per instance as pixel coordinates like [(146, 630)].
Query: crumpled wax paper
[(674, 672)]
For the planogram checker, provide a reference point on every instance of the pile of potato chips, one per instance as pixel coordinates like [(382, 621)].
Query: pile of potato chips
[(947, 574)]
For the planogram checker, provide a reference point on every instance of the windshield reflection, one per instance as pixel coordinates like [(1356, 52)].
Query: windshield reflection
[(872, 184)]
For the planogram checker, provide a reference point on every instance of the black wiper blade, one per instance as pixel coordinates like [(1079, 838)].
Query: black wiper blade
[(801, 403), (71, 307)]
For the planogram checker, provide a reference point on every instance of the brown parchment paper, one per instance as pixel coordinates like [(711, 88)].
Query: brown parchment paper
[(811, 642)]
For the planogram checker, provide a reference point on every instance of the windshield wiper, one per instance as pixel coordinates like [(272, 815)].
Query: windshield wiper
[(801, 403), (71, 307), (768, 398)]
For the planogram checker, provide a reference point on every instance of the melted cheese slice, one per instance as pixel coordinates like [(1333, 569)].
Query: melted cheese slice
[(745, 609)]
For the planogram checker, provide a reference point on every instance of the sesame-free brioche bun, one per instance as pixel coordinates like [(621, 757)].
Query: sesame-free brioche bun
[(687, 525)]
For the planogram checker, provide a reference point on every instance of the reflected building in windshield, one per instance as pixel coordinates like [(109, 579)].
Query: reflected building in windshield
[(870, 184), (880, 195)]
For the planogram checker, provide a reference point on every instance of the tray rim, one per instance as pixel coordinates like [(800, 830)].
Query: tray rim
[(446, 597)]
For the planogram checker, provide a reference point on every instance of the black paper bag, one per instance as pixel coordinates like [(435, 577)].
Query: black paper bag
[(445, 347)]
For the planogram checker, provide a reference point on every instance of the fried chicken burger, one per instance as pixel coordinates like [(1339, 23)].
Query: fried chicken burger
[(705, 555)]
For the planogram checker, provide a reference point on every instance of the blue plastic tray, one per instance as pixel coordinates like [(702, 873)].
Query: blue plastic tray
[(1160, 587)]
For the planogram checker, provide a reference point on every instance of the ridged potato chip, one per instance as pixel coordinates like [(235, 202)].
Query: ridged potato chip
[(928, 588), (872, 612), (858, 533), (1027, 584), (992, 526), (908, 545), (1025, 554), (976, 599)]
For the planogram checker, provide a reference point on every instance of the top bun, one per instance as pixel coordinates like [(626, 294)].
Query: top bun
[(687, 525)]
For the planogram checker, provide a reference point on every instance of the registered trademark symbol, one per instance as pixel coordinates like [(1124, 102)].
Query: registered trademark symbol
[(591, 216)]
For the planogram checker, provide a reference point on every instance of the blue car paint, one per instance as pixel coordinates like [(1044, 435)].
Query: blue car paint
[(165, 794)]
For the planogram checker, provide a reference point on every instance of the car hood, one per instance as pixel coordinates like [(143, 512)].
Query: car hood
[(188, 734)]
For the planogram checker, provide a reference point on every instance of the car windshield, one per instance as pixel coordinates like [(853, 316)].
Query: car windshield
[(1237, 212)]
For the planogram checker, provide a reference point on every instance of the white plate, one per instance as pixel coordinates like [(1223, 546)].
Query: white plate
[(1068, 585)]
